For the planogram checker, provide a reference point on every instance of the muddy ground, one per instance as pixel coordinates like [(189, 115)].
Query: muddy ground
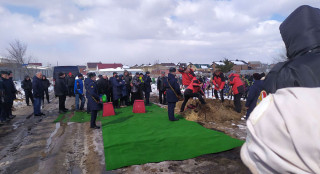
[(31, 144)]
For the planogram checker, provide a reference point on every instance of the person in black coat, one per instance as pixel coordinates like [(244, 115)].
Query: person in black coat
[(147, 87), (254, 93), (70, 79), (93, 100), (135, 88), (37, 94), (26, 85), (172, 91), (103, 85), (13, 90), (127, 78), (161, 88), (46, 84), (61, 91), (86, 84), (117, 85), (7, 98), (301, 35), (2, 117)]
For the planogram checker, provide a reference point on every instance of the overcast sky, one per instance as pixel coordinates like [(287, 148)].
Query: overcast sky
[(144, 31)]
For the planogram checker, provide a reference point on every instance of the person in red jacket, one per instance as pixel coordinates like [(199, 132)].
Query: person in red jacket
[(193, 90), (237, 89), (218, 82), (187, 75)]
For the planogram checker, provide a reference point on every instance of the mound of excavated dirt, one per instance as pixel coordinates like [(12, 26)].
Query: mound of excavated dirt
[(212, 111)]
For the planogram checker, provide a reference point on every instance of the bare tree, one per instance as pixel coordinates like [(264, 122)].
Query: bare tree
[(17, 54), (282, 56)]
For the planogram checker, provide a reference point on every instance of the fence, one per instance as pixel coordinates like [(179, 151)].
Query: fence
[(20, 72)]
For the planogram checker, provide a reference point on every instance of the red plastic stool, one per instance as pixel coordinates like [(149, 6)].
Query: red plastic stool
[(138, 106), (108, 109)]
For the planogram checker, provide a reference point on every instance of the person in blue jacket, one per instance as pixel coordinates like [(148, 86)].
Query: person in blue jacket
[(116, 90), (254, 93), (78, 91), (172, 96), (93, 100), (147, 87)]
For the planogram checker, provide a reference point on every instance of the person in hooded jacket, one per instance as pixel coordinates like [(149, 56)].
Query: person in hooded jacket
[(173, 92), (193, 90), (147, 87), (218, 81), (61, 90), (70, 79), (26, 85), (38, 91), (78, 91), (93, 100), (301, 35), (254, 93), (46, 84), (117, 85), (237, 90)]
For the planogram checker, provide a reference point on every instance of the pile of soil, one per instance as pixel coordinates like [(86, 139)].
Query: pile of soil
[(212, 111)]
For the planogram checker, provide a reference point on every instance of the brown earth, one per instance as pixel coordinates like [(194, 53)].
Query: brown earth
[(37, 145)]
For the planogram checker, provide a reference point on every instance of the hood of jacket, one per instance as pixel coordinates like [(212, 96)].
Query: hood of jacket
[(300, 31)]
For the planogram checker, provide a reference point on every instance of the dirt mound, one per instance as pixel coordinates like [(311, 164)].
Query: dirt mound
[(212, 111)]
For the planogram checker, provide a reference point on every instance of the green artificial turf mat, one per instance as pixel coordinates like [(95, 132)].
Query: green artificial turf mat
[(78, 117), (132, 139)]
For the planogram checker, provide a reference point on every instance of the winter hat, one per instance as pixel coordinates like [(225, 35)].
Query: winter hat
[(172, 69), (92, 75), (137, 73), (256, 76), (115, 73), (147, 72), (141, 73), (80, 75), (61, 74), (70, 73)]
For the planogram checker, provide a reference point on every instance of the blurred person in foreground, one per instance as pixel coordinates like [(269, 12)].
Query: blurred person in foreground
[(283, 130)]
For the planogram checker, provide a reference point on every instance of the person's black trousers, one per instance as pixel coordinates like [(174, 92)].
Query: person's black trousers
[(135, 96), (147, 95), (29, 96), (171, 106), (187, 96), (93, 118), (47, 95), (162, 95), (237, 102), (62, 102), (71, 91), (128, 94), (221, 95), (5, 111)]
